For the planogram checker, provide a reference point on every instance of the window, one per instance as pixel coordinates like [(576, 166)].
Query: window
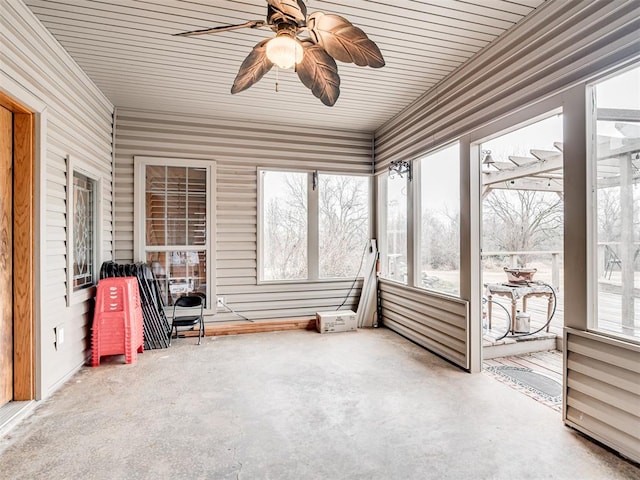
[(83, 230), (312, 226), (615, 161), (396, 265), (285, 226), (174, 224), (343, 224), (439, 230)]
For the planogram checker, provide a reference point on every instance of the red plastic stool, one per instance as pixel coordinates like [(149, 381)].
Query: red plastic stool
[(117, 321)]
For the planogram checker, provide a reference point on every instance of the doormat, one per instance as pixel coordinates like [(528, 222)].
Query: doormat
[(543, 389)]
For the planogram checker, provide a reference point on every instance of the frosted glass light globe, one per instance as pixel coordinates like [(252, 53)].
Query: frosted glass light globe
[(285, 51)]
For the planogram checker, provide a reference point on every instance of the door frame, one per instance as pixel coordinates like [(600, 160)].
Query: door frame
[(471, 145), (29, 152)]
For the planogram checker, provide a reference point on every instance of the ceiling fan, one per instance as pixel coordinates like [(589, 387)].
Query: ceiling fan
[(310, 44)]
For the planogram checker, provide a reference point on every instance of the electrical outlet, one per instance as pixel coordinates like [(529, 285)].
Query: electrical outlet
[(220, 301), (59, 336)]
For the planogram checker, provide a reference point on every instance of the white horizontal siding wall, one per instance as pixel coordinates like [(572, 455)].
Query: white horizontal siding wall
[(78, 123), (239, 149), (557, 46), (436, 322), (602, 390)]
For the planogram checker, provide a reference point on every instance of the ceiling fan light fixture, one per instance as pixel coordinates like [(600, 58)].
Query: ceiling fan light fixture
[(285, 51), (325, 38)]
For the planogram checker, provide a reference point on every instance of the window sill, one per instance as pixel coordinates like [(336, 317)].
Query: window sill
[(307, 281), (615, 336), (80, 296), (393, 280)]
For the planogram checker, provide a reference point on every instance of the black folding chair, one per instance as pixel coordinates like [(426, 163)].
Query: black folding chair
[(193, 305)]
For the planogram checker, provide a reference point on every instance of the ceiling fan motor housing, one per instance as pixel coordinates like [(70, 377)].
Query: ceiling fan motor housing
[(277, 17)]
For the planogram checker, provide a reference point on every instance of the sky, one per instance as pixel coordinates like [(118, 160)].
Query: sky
[(621, 91), (440, 181), (540, 136)]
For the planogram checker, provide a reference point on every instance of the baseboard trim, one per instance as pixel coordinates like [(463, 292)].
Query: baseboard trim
[(239, 328)]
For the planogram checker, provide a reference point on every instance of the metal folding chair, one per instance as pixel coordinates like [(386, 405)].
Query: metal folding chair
[(611, 260), (193, 306)]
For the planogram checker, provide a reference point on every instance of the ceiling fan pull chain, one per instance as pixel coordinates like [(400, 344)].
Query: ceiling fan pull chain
[(277, 76)]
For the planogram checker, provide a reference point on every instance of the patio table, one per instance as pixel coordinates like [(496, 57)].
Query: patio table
[(517, 292)]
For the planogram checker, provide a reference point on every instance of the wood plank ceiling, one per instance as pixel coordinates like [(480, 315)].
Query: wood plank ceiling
[(126, 47)]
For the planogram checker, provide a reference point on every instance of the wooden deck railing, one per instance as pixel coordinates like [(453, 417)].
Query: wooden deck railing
[(514, 255)]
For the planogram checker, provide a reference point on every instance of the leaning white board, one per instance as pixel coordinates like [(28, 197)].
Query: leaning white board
[(366, 312)]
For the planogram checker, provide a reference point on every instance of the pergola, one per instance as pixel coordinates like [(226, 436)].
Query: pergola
[(542, 171)]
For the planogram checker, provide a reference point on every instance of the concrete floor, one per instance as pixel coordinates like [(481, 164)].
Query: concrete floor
[(297, 405)]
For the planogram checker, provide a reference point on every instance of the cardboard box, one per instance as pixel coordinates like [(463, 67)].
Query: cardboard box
[(336, 321)]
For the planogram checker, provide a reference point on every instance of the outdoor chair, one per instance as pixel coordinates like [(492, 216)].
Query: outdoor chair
[(611, 260), (193, 308)]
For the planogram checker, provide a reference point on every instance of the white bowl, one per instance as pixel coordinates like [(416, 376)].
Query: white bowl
[(520, 275)]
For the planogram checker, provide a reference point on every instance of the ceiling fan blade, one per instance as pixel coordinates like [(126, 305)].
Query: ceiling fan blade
[(344, 41), (224, 28), (294, 10), (319, 73), (254, 67)]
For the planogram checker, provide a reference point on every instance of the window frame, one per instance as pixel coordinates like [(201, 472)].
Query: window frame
[(416, 169), (383, 195), (140, 248), (260, 225), (313, 224), (74, 166), (414, 214), (591, 119)]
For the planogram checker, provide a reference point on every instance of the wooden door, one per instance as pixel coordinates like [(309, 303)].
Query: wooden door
[(6, 256)]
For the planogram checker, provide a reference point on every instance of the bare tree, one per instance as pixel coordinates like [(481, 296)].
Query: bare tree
[(609, 215), (523, 220), (344, 224), (286, 232), (440, 240), (343, 227)]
